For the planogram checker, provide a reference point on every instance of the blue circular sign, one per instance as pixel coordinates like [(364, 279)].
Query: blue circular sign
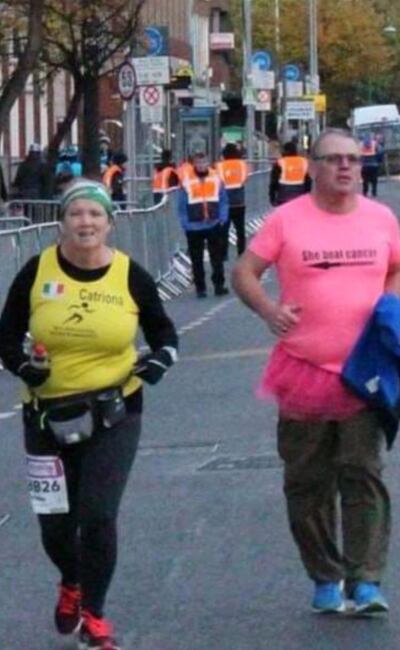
[(262, 60), (155, 41), (291, 72)]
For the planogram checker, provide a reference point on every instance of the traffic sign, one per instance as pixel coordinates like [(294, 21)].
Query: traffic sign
[(248, 96), (152, 70), (300, 109), (263, 79), (262, 59), (156, 40), (151, 95), (319, 101), (294, 89), (151, 104), (263, 100), (263, 96), (292, 72), (127, 82)]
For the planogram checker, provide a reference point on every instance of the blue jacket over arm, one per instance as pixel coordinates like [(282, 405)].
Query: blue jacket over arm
[(372, 370)]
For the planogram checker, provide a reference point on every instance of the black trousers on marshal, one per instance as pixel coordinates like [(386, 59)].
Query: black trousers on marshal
[(82, 543), (237, 218), (369, 175), (197, 241)]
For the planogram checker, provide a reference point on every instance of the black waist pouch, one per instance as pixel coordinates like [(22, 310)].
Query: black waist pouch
[(70, 422), (110, 407), (73, 420)]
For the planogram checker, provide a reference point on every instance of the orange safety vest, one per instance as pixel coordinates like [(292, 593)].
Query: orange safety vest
[(369, 150), (161, 180), (184, 171), (293, 170), (233, 172), (109, 175), (203, 196)]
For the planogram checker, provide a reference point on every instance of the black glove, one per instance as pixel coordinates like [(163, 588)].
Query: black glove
[(152, 367), (33, 376)]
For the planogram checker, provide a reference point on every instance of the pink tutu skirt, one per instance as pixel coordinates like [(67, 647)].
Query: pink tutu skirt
[(305, 391)]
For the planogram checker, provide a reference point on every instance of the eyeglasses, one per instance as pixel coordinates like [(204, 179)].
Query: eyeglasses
[(338, 158)]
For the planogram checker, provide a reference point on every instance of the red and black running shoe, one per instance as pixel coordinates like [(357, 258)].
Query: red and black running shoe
[(96, 633), (67, 615)]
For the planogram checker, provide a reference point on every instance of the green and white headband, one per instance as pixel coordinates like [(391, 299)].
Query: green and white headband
[(87, 189)]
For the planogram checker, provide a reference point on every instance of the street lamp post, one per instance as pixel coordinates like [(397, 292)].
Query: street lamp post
[(247, 75)]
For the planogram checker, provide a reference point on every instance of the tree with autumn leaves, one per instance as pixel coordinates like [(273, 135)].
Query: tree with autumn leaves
[(358, 62), (87, 38)]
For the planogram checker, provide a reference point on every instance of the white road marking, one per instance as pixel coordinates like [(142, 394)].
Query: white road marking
[(205, 317), (6, 415), (4, 519)]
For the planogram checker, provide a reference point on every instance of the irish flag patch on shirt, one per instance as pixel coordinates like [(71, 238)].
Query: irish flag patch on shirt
[(53, 289)]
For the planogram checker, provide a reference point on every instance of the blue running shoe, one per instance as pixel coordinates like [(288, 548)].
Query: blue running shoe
[(368, 598), (328, 598)]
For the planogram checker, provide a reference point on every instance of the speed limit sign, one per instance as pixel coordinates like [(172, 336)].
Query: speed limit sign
[(127, 80)]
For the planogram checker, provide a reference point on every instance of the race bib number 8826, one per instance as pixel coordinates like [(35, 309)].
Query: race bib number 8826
[(47, 486)]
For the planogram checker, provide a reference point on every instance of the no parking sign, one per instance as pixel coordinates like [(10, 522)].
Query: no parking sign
[(151, 104)]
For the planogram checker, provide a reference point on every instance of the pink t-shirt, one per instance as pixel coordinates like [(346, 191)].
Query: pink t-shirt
[(331, 265)]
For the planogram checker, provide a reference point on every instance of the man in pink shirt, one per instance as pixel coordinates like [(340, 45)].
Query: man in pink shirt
[(335, 253)]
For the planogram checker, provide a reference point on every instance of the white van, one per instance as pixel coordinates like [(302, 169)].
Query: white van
[(381, 120), (379, 114)]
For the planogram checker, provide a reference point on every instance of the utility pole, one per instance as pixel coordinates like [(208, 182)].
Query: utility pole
[(247, 75), (277, 28), (313, 57)]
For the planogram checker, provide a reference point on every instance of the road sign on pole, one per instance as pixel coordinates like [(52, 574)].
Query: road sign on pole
[(263, 100), (127, 80), (263, 60), (292, 72), (152, 70), (300, 109), (156, 40), (151, 104)]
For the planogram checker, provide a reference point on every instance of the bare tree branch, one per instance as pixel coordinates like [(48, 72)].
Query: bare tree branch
[(26, 63)]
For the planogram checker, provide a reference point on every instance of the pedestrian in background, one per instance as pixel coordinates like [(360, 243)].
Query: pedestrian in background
[(372, 154), (289, 176), (105, 151), (114, 178), (69, 162), (83, 301), (165, 176), (336, 253), (203, 212), (234, 174), (31, 177)]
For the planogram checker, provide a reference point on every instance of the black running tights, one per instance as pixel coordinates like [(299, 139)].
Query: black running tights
[(83, 543)]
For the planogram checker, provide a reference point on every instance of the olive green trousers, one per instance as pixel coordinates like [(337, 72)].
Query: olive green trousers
[(332, 483)]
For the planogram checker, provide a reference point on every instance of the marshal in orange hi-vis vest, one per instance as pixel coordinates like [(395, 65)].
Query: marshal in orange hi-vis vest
[(109, 175), (161, 180), (293, 170), (203, 197), (233, 173)]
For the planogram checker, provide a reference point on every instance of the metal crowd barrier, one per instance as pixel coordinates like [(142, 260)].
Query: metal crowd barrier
[(11, 223), (34, 211), (151, 236)]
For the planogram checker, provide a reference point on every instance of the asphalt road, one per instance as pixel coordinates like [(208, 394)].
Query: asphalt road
[(206, 561)]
